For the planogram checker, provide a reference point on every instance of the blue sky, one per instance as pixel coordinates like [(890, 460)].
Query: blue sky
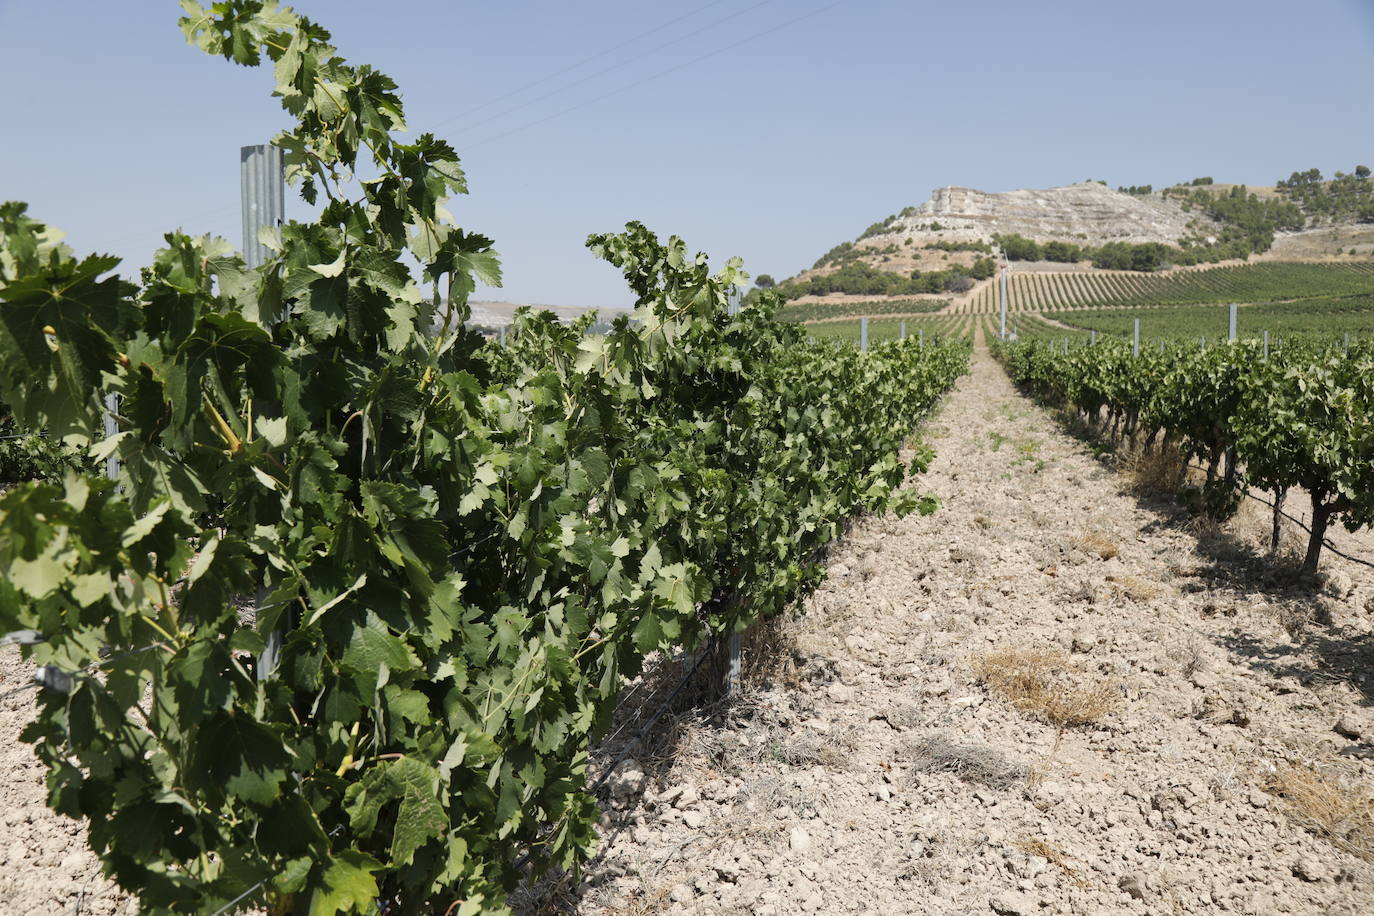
[(771, 130)]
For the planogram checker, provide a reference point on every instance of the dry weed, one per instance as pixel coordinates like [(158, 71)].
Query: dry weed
[(1136, 588), (1191, 657), (1294, 618), (1034, 846), (982, 765), (1329, 805), (1045, 683), (640, 901), (1153, 473), (767, 653), (1096, 541)]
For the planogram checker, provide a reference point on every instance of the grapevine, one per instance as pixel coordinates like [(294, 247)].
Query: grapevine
[(467, 548)]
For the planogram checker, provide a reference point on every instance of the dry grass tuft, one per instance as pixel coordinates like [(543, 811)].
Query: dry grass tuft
[(982, 765), (1153, 473), (1329, 805), (1045, 683), (1191, 657), (1034, 846), (1096, 541), (1136, 588)]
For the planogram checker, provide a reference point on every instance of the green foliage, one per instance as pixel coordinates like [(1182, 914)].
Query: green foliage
[(466, 548), (859, 279), (877, 228), (1018, 247), (1302, 416), (1343, 198), (1142, 256), (1317, 317), (946, 245), (1267, 282), (842, 253)]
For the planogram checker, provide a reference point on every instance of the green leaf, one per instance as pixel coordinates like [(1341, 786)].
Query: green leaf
[(347, 885), (240, 758)]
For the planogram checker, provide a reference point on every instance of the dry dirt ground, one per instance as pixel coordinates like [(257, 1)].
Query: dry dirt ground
[(45, 867), (1052, 696)]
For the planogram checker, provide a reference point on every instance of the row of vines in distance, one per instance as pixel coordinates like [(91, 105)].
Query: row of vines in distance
[(1300, 417), (1244, 283)]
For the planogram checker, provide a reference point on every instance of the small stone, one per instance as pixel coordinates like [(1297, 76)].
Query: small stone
[(1014, 903), (841, 693), (1337, 584), (1347, 728), (967, 702), (799, 841), (1132, 886), (1259, 799), (680, 893), (686, 798), (627, 780), (693, 819), (1310, 869)]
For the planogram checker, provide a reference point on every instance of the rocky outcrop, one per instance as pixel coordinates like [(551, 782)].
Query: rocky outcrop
[(1087, 213)]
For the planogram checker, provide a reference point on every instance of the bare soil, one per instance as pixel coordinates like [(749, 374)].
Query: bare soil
[(45, 866)]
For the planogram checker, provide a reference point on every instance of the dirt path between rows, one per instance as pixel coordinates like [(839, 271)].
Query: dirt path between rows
[(875, 774), (871, 772)]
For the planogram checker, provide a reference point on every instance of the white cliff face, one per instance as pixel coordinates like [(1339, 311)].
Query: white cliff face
[(1085, 213)]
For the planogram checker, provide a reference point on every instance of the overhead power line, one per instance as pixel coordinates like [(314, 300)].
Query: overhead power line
[(662, 73), (715, 23), (581, 63)]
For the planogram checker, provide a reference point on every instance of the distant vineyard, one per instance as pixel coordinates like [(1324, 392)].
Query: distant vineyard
[(1246, 283), (815, 311), (1325, 317), (943, 326)]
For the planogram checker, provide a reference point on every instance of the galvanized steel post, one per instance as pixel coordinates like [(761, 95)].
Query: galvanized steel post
[(1135, 338), (262, 190), (1231, 323), (111, 428), (863, 333)]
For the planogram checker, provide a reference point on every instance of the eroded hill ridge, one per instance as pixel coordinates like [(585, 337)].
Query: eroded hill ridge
[(1087, 212)]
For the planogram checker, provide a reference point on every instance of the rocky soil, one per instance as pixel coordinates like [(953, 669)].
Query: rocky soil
[(1212, 753), (45, 867), (874, 772)]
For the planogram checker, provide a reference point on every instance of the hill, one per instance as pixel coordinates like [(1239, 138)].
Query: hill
[(947, 243)]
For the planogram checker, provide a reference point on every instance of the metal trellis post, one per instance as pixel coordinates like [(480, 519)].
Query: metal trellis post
[(262, 195), (262, 191)]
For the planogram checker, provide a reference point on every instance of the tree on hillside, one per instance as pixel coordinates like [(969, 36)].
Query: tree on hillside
[(764, 281), (1361, 171)]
